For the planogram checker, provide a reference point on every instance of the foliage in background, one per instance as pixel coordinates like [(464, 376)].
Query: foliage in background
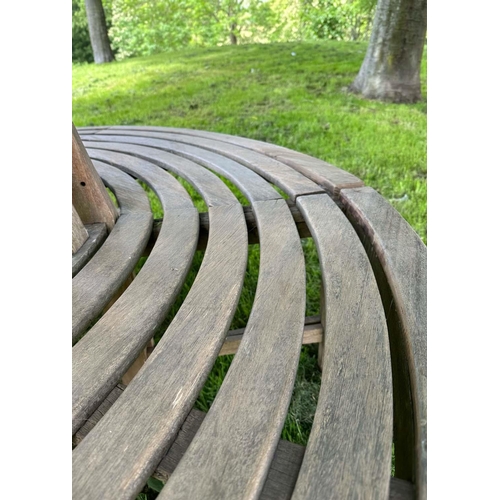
[(338, 19), (145, 27), (142, 27), (217, 22)]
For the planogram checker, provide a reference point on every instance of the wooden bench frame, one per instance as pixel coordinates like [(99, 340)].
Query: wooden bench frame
[(395, 253)]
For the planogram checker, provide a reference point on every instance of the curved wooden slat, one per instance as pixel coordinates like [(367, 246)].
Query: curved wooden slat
[(332, 178), (253, 401), (282, 474), (211, 188), (349, 449), (387, 238), (96, 283), (79, 233), (111, 346), (169, 191), (253, 186), (400, 260), (97, 234), (253, 235), (120, 453), (283, 176), (91, 130)]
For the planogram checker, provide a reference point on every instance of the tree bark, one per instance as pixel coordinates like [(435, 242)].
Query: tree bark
[(391, 68), (232, 36), (99, 39)]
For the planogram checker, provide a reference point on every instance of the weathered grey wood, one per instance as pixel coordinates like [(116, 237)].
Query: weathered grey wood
[(282, 474), (349, 449), (213, 191), (90, 198), (332, 178), (106, 352), (79, 233), (253, 234), (283, 176), (93, 129), (98, 281), (122, 451), (322, 312), (97, 233), (252, 185), (129, 375), (313, 334), (358, 387), (253, 401), (169, 191), (401, 490), (99, 412), (400, 260)]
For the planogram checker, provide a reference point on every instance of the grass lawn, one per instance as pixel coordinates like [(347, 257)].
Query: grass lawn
[(299, 101)]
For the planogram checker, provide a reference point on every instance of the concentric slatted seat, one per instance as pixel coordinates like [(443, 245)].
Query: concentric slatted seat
[(372, 328)]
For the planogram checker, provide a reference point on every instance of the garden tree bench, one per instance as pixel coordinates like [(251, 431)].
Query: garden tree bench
[(372, 328)]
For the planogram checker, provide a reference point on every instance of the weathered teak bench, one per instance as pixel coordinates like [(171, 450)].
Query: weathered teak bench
[(372, 329)]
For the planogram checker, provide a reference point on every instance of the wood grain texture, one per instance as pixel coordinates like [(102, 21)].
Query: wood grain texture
[(282, 474), (400, 260), (90, 198), (313, 334), (106, 352), (95, 285), (332, 178), (79, 233), (253, 401), (283, 176), (253, 234), (213, 191), (170, 192), (252, 185), (121, 452), (97, 234), (348, 454)]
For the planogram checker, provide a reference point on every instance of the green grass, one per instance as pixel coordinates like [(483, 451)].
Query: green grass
[(301, 102), (295, 101)]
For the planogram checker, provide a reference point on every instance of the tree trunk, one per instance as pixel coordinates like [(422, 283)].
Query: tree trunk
[(99, 39), (391, 68), (232, 35)]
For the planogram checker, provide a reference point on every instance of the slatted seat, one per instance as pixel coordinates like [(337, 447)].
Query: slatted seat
[(372, 328)]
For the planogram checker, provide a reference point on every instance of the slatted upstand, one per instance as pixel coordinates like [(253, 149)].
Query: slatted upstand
[(372, 329)]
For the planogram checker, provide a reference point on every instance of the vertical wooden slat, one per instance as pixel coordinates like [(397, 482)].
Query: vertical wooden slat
[(79, 233), (90, 197)]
